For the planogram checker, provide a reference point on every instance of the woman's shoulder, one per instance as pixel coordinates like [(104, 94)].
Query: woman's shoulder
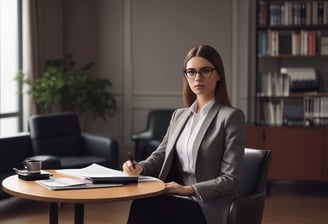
[(230, 109), (228, 112), (180, 111)]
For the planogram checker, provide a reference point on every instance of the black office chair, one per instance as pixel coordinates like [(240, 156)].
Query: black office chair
[(59, 136), (147, 141), (14, 150), (248, 207)]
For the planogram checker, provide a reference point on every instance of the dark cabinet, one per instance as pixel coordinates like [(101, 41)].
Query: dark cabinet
[(298, 153)]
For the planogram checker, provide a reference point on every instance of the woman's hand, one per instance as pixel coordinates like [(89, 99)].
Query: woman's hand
[(132, 169), (174, 188)]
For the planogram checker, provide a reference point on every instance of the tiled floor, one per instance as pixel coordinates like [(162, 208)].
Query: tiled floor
[(297, 204), (286, 205), (19, 211)]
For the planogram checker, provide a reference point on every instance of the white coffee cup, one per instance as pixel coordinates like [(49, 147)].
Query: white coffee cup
[(32, 166)]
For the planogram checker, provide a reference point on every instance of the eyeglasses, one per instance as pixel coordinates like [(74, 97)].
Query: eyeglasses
[(205, 72)]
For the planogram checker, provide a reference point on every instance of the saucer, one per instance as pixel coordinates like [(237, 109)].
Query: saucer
[(26, 171), (34, 176)]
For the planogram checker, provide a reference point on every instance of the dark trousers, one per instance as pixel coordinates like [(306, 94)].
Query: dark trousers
[(165, 209)]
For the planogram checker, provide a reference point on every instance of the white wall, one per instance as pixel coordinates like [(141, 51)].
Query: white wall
[(140, 46)]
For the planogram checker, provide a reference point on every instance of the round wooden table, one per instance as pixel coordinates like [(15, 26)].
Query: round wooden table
[(34, 191)]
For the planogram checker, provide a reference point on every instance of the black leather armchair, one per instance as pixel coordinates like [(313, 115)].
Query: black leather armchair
[(248, 207), (14, 150), (147, 141), (59, 136)]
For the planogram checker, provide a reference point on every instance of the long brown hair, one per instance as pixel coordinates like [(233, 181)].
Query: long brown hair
[(210, 54)]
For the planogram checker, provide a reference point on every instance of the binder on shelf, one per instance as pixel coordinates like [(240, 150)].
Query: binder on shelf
[(273, 113), (302, 79), (285, 82), (324, 45), (267, 84), (273, 84), (285, 43), (293, 113)]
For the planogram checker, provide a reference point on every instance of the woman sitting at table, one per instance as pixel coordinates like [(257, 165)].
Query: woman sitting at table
[(200, 158)]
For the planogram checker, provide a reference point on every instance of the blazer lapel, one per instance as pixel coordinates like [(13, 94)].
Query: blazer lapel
[(202, 131), (176, 130)]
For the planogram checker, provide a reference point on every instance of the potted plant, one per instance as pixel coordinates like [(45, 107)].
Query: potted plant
[(71, 89)]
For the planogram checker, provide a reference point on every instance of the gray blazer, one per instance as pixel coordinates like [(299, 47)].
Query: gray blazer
[(220, 152)]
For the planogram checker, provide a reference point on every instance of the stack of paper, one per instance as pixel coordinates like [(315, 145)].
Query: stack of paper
[(100, 175), (93, 176), (69, 183)]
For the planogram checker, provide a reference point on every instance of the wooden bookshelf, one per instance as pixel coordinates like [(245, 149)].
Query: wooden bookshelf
[(289, 35), (296, 135)]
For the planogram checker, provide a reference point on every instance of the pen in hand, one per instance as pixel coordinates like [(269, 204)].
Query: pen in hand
[(131, 160)]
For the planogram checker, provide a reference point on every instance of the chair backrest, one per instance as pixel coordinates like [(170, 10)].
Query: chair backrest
[(56, 134), (158, 122), (248, 206), (256, 168)]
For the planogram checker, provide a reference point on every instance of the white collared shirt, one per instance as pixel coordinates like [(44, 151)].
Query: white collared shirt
[(186, 152)]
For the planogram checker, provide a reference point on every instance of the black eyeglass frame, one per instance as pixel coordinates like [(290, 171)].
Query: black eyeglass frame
[(204, 72)]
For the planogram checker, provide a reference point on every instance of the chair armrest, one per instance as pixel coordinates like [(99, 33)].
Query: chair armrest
[(247, 209), (14, 150), (102, 146)]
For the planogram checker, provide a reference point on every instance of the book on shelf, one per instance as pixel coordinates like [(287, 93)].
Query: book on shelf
[(312, 43), (324, 45), (277, 13), (320, 18), (316, 109), (304, 42), (274, 43), (269, 43), (277, 43), (263, 13), (262, 44), (284, 43), (296, 43)]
